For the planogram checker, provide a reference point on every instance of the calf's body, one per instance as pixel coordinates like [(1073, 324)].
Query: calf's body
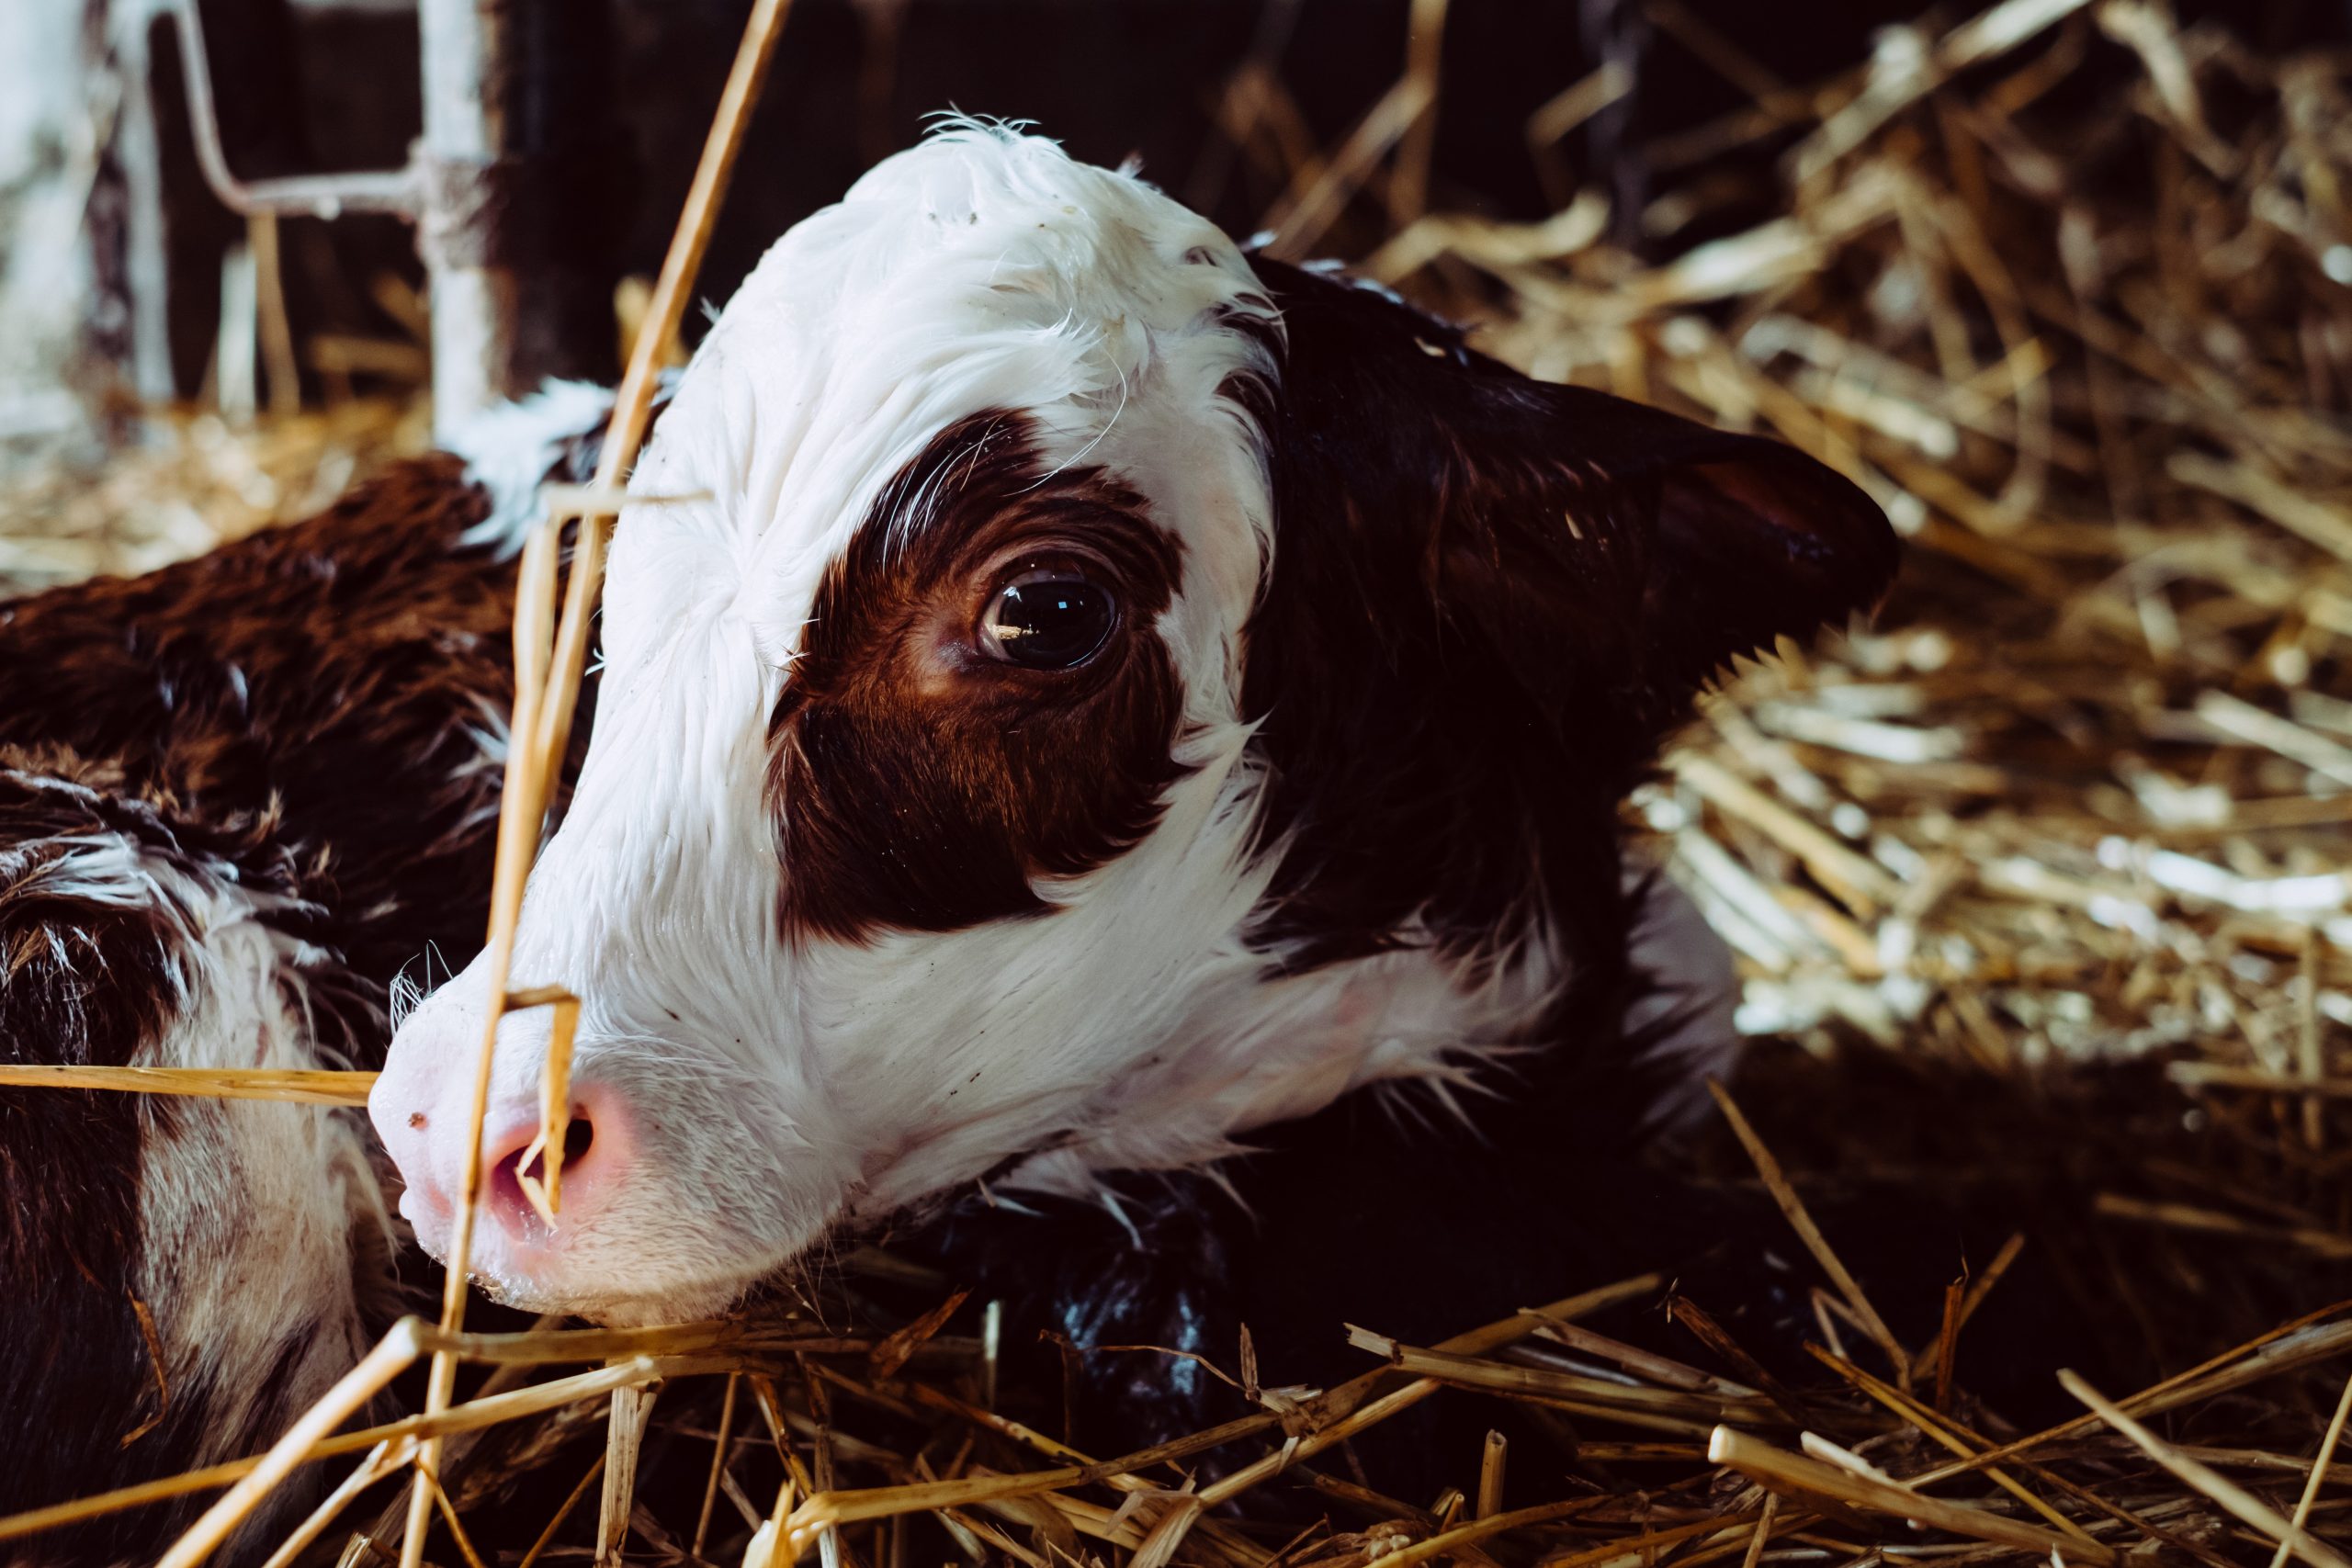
[(1077, 700), (240, 798)]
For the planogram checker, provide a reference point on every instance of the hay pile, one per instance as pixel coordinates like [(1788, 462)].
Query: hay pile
[(2082, 792), (2069, 290), (175, 482)]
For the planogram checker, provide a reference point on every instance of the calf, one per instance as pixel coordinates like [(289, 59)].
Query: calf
[(237, 797), (1090, 694)]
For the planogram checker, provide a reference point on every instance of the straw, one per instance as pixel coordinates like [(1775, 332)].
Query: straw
[(298, 1085), (542, 716)]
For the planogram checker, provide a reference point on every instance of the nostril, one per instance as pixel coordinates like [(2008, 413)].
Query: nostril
[(579, 1137), (510, 1166)]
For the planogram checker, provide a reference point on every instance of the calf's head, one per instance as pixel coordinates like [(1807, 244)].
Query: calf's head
[(1098, 694)]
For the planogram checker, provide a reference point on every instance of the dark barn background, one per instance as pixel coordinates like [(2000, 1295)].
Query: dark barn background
[(314, 86)]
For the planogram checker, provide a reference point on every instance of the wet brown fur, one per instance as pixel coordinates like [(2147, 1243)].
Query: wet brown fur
[(301, 714), (919, 785)]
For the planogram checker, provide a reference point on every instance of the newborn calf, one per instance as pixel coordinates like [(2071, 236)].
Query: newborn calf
[(1088, 693), (238, 796)]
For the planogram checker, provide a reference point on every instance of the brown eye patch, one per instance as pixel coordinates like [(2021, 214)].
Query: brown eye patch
[(920, 781)]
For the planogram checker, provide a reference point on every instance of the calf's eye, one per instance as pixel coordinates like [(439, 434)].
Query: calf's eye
[(1047, 617)]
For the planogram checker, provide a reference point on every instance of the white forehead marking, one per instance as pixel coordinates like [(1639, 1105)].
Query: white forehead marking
[(979, 270)]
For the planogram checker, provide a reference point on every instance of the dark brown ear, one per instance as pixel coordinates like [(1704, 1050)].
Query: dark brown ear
[(1491, 598)]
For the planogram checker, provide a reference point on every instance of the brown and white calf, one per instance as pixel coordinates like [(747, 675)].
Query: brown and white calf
[(1089, 695), (239, 799), (1110, 695)]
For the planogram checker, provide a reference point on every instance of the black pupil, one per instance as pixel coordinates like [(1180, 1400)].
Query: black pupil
[(1052, 624)]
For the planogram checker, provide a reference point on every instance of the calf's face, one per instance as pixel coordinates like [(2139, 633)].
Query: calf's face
[(1072, 696)]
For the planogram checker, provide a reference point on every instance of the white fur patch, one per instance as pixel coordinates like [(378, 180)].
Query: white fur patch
[(510, 448), (247, 1208)]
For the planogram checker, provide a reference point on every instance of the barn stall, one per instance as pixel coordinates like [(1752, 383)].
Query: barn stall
[(2037, 883)]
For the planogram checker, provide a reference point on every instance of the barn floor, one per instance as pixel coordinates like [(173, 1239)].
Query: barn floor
[(2040, 885)]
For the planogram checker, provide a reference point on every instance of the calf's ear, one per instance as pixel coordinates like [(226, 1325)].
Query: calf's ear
[(1491, 598), (1605, 559)]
